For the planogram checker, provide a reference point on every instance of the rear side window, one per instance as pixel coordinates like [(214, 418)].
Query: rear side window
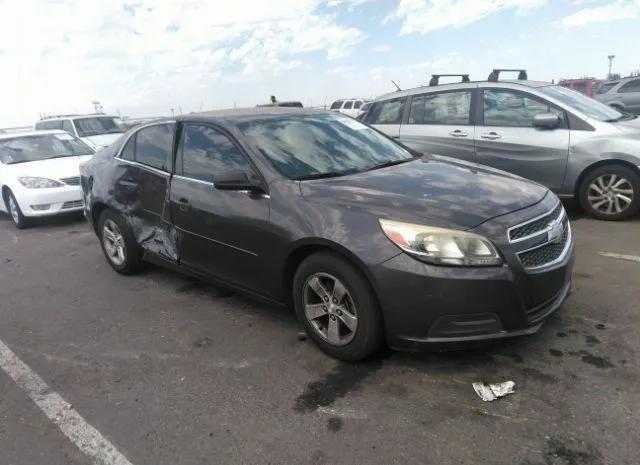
[(47, 125), (207, 153), (154, 146), (629, 87), (387, 112), (336, 105), (348, 105), (358, 104), (448, 108)]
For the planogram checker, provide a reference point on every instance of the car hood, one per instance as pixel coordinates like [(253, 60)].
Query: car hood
[(433, 190), (631, 126), (102, 140), (54, 168)]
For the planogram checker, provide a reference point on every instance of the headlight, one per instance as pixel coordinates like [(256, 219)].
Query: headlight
[(38, 183), (442, 246)]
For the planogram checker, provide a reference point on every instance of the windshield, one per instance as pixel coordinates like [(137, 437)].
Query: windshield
[(94, 126), (586, 105), (41, 147), (301, 146), (604, 88)]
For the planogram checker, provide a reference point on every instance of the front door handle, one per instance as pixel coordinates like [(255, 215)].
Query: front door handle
[(490, 135), (458, 133), (184, 205)]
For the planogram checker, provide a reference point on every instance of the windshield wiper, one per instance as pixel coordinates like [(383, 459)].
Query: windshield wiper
[(391, 163), (328, 174), (624, 117)]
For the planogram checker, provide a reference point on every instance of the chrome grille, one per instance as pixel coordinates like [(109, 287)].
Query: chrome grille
[(72, 204), (72, 181), (535, 226), (548, 253)]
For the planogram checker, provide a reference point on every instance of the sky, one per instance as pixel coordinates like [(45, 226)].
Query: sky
[(143, 58)]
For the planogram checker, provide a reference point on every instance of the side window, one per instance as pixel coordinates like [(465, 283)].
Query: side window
[(629, 87), (67, 126), (358, 104), (336, 105), (387, 112), (129, 150), (514, 109), (154, 146), (449, 108), (207, 153), (348, 105), (56, 124)]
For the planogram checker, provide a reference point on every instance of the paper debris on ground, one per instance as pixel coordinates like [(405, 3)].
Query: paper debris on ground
[(489, 392)]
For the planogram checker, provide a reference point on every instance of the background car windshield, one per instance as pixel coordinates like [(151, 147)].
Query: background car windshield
[(94, 126), (586, 105), (300, 146), (604, 88), (41, 147)]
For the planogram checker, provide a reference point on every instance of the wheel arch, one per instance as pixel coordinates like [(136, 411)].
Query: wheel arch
[(585, 172), (303, 249), (96, 210)]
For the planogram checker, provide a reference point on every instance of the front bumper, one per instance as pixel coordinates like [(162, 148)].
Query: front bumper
[(441, 308), (48, 202)]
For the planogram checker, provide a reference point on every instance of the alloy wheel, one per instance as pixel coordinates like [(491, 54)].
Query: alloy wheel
[(113, 242), (13, 209), (330, 309), (610, 194)]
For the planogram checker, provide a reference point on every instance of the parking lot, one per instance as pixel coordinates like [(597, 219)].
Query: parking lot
[(173, 371)]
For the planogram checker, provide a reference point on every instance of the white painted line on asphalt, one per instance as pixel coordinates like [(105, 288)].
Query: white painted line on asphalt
[(343, 413), (632, 258), (82, 434)]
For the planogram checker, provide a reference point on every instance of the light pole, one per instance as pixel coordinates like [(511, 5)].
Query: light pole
[(610, 57)]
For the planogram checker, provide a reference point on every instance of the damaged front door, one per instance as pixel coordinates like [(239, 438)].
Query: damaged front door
[(222, 233)]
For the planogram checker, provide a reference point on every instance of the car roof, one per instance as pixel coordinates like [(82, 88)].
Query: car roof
[(87, 115), (508, 83), (238, 115), (13, 135)]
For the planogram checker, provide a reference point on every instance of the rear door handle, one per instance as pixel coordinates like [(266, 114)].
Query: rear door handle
[(184, 205), (490, 135), (458, 133)]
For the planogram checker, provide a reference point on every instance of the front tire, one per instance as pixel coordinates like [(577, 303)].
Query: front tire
[(118, 244), (611, 192), (337, 307), (19, 220)]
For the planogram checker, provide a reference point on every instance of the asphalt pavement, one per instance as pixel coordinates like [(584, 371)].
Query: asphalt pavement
[(170, 370)]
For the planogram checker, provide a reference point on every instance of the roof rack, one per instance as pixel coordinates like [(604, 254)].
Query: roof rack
[(435, 78), (71, 115), (495, 74)]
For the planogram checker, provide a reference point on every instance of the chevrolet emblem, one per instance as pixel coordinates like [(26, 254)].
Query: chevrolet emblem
[(556, 232)]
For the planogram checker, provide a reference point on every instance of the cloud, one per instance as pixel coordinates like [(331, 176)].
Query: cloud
[(340, 70), (381, 48), (425, 16), (61, 54), (615, 11)]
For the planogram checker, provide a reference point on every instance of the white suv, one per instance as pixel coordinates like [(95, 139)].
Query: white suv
[(349, 107), (96, 130)]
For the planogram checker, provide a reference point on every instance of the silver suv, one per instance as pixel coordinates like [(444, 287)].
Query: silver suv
[(574, 145), (623, 94)]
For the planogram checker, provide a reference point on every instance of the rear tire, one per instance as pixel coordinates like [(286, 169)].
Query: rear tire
[(611, 192), (118, 243), (13, 208), (343, 316)]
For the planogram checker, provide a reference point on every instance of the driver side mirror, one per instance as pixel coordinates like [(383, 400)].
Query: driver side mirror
[(546, 121), (237, 181)]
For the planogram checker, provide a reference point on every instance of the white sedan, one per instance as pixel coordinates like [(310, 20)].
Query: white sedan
[(40, 174)]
